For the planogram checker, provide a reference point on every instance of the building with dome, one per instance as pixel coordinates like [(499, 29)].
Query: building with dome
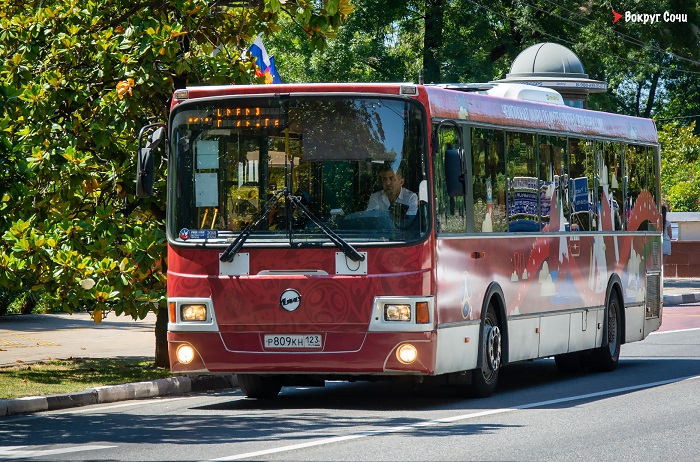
[(551, 65)]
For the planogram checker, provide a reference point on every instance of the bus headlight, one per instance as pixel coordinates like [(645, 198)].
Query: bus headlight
[(193, 313), (406, 353), (397, 313), (185, 354)]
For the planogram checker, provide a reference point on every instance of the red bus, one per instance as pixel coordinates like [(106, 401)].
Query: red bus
[(404, 232)]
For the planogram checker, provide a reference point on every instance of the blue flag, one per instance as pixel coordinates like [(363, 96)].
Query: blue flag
[(264, 62)]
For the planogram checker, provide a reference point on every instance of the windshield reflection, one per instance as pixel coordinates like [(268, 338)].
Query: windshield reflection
[(230, 158)]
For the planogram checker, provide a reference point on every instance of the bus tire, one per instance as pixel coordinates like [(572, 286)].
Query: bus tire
[(485, 378), (256, 386), (606, 358)]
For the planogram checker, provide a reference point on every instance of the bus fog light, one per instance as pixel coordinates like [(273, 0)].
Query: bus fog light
[(406, 353), (193, 313), (185, 354), (397, 313)]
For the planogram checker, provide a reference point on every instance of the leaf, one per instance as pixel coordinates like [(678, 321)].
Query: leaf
[(331, 6)]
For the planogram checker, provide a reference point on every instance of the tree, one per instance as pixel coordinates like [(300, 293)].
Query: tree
[(651, 69), (680, 167), (77, 81), (380, 42)]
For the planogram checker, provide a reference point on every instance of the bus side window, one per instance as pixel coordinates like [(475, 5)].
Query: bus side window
[(611, 186), (641, 173), (553, 182), (488, 180), (450, 209), (581, 185), (522, 183)]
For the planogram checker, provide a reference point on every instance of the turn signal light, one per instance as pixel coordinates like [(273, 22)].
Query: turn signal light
[(422, 313)]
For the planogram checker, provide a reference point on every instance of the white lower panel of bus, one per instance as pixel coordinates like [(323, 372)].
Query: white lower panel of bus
[(531, 337), (457, 348), (539, 337), (634, 323)]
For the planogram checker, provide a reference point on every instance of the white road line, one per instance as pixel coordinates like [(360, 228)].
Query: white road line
[(19, 452), (139, 402), (430, 423)]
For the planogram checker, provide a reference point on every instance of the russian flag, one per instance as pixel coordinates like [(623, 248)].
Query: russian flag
[(264, 62)]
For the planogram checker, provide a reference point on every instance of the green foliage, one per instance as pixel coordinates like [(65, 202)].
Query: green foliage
[(380, 42), (651, 69), (77, 80), (680, 167), (74, 375)]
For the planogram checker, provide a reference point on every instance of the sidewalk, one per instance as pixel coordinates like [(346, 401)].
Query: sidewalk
[(25, 339), (679, 291), (36, 337)]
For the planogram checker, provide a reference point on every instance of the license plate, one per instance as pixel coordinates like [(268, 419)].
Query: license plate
[(293, 341)]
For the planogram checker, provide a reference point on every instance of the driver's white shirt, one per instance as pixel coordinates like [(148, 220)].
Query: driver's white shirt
[(379, 201)]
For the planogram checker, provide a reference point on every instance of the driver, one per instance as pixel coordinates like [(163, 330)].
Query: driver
[(393, 196)]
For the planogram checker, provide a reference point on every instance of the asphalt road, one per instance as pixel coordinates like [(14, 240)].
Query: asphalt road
[(646, 410)]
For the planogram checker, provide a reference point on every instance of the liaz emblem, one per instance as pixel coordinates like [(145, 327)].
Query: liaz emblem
[(290, 300)]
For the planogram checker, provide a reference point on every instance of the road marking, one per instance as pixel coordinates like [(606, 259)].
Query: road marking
[(431, 423), (136, 402), (34, 341), (18, 452), (38, 341)]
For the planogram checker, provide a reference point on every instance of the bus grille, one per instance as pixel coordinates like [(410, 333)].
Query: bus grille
[(653, 296)]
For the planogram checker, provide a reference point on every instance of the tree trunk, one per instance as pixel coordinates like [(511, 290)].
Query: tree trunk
[(652, 94), (162, 359), (432, 41)]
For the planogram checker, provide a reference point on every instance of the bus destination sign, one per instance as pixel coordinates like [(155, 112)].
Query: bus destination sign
[(241, 117)]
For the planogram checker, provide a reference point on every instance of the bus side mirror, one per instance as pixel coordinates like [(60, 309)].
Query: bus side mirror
[(145, 174), (454, 176)]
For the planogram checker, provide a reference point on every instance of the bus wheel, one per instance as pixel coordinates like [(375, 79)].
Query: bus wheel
[(485, 378), (605, 358), (256, 386)]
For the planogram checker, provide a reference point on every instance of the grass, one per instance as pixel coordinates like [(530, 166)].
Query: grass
[(74, 375)]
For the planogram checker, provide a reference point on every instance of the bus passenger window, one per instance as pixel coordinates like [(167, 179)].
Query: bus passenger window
[(488, 181), (522, 183), (641, 174), (451, 209), (581, 185), (611, 187), (553, 182)]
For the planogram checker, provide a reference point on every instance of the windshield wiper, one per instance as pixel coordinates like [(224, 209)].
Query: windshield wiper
[(237, 244), (341, 243)]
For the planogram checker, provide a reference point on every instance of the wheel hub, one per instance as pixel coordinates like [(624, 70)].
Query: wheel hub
[(493, 347)]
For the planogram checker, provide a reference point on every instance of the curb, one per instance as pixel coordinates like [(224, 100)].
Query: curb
[(113, 393), (680, 299)]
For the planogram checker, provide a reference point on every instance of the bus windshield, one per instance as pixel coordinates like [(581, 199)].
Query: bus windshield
[(355, 163)]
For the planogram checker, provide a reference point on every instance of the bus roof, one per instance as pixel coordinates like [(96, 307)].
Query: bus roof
[(451, 104), (445, 102)]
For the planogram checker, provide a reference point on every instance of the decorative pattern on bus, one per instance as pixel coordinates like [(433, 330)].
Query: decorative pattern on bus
[(252, 303), (547, 272)]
